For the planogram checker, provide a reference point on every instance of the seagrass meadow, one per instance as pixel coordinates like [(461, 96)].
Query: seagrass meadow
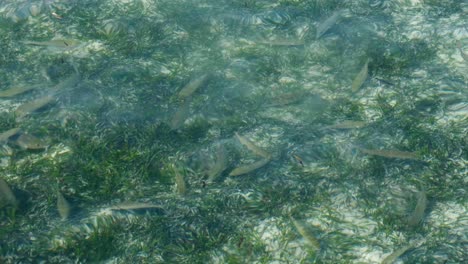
[(215, 131)]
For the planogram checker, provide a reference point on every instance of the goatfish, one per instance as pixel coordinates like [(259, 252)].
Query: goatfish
[(397, 154), (360, 77), (55, 43), (9, 133), (6, 195), (347, 124), (328, 23), (418, 213), (32, 106), (17, 90), (63, 206), (192, 86), (252, 147), (396, 254), (306, 234), (249, 168)]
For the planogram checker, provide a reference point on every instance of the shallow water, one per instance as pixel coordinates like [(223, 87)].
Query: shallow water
[(121, 132)]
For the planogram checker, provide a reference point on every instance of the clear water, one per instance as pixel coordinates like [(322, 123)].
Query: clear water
[(128, 112)]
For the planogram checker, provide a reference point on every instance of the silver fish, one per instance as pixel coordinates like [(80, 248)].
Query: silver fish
[(347, 124), (133, 206), (306, 234), (180, 115), (360, 77), (288, 98), (9, 133), (67, 83), (397, 154), (35, 9), (282, 42), (32, 106), (396, 254), (249, 168), (192, 86), (63, 206), (463, 54), (219, 166), (113, 27), (418, 213), (252, 147), (6, 195), (64, 44), (328, 23), (30, 142), (298, 159), (13, 91)]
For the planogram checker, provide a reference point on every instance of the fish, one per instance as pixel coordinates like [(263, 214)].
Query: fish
[(288, 98), (55, 43), (328, 23), (9, 133), (13, 91), (6, 195), (418, 213), (249, 168), (397, 154), (112, 27), (282, 42), (57, 16), (219, 166), (306, 234), (360, 78), (67, 83), (30, 142), (180, 115), (35, 9), (396, 254), (347, 124), (32, 106), (252, 147), (134, 206), (298, 159), (192, 86), (384, 81), (63, 206), (463, 54)]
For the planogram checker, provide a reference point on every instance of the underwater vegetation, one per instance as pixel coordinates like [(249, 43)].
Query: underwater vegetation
[(284, 131)]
